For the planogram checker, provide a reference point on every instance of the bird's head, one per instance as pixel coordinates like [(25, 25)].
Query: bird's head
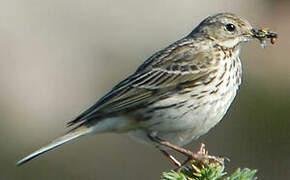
[(229, 30)]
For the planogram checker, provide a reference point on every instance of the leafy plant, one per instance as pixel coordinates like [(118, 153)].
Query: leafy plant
[(208, 170)]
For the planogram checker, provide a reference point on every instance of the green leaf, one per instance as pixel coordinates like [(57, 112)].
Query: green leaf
[(172, 175), (245, 174)]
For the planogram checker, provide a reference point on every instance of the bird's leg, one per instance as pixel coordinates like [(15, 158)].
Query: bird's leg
[(200, 156), (211, 158), (171, 158), (172, 146)]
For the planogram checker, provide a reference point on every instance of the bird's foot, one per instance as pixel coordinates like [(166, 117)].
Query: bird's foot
[(203, 157), (200, 157)]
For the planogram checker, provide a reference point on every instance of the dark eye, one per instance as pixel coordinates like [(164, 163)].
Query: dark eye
[(230, 27)]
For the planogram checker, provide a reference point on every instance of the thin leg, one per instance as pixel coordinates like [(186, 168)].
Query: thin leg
[(200, 156), (171, 158), (174, 147)]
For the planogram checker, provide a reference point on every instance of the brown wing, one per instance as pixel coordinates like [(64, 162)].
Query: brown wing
[(166, 70)]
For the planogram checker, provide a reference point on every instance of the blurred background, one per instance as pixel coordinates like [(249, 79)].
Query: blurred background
[(58, 57)]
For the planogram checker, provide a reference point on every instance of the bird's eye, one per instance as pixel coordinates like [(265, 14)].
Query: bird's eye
[(230, 27)]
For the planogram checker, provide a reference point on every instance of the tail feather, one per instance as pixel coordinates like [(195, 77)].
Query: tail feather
[(80, 131)]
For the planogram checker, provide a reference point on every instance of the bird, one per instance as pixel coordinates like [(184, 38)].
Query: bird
[(176, 95)]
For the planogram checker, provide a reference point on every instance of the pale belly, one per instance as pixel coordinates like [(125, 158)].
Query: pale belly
[(181, 125)]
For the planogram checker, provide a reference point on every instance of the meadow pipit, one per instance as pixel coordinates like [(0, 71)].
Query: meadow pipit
[(176, 95)]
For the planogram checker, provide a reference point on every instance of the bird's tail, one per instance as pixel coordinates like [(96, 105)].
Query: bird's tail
[(76, 133)]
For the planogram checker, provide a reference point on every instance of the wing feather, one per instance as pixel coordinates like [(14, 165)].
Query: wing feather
[(175, 65)]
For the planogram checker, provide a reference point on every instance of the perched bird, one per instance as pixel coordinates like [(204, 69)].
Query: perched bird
[(176, 95)]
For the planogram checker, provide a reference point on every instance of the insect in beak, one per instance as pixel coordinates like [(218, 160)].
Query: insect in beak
[(263, 34)]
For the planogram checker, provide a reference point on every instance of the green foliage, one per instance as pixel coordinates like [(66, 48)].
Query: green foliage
[(244, 174), (173, 175), (208, 171)]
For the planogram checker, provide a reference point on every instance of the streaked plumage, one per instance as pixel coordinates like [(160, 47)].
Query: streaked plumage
[(178, 94)]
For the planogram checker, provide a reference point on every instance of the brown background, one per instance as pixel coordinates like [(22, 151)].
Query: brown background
[(58, 57)]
